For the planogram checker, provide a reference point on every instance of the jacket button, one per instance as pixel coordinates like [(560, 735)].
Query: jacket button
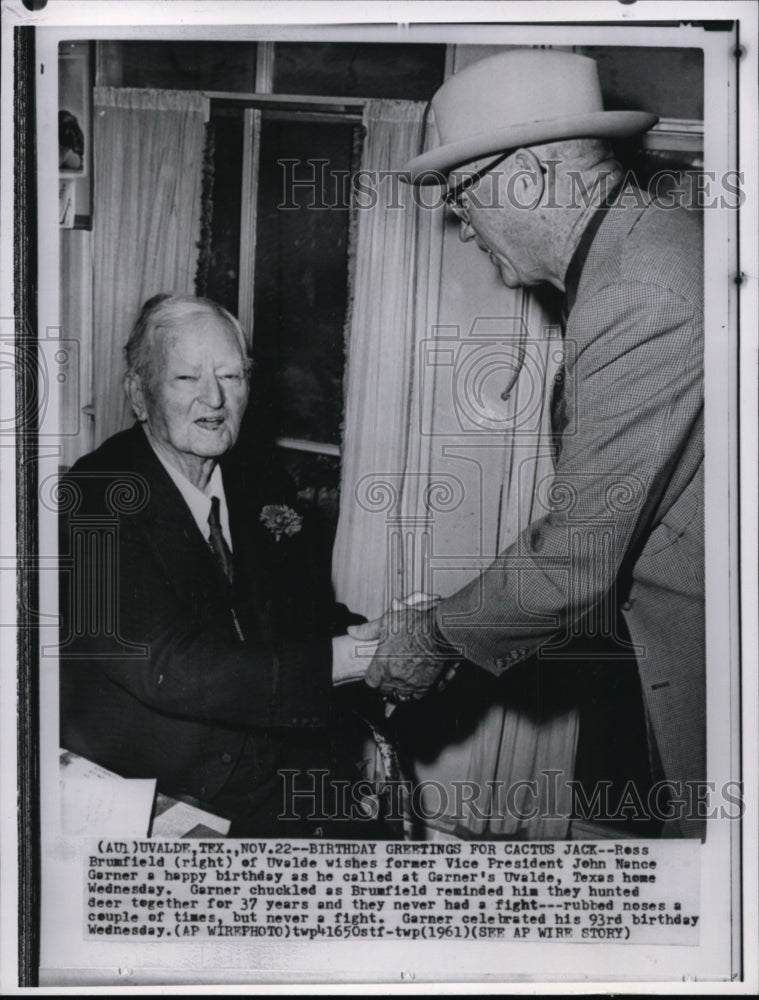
[(160, 678), (226, 758), (626, 605)]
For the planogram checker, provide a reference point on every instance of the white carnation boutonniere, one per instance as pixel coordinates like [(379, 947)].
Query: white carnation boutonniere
[(281, 520)]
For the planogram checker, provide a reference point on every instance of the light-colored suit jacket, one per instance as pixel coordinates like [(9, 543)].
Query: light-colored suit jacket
[(623, 523)]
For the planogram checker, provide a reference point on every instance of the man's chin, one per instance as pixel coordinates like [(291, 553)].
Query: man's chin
[(508, 276), (213, 444)]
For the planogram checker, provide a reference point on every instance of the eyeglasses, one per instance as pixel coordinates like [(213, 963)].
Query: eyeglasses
[(452, 198)]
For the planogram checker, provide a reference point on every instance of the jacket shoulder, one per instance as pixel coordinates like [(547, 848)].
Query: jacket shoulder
[(117, 453), (665, 248), (646, 244), (113, 478)]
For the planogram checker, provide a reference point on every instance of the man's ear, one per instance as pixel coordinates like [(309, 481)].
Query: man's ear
[(136, 395), (528, 182)]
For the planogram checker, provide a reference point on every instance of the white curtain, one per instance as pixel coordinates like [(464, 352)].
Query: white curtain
[(524, 742), (148, 154), (471, 486), (397, 262), (439, 472)]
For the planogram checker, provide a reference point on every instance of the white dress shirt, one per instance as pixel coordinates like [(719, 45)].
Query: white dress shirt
[(199, 501)]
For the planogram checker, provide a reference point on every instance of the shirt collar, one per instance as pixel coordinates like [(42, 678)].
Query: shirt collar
[(199, 501)]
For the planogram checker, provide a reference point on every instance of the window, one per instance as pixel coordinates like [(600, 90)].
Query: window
[(285, 273), (298, 261)]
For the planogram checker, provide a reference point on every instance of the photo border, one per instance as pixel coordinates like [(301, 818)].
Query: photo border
[(25, 312)]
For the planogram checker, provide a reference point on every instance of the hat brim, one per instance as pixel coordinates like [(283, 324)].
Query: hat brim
[(430, 167)]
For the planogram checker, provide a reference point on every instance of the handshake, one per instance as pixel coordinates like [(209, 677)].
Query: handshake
[(403, 653)]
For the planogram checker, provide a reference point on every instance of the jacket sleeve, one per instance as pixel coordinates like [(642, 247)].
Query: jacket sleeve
[(634, 396), (181, 660)]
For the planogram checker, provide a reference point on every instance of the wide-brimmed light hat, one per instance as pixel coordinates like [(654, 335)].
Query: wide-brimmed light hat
[(519, 98)]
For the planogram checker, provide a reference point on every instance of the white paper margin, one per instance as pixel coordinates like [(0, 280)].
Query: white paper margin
[(598, 966)]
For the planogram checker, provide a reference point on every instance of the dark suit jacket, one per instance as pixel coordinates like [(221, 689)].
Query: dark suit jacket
[(166, 671), (624, 522)]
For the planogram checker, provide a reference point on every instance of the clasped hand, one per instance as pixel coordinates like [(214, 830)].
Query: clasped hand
[(412, 657)]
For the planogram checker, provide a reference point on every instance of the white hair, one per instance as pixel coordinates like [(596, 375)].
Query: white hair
[(167, 311)]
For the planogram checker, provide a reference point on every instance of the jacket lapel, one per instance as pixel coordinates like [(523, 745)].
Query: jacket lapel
[(178, 541)]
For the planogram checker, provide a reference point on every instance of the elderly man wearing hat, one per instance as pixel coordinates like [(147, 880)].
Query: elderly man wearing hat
[(523, 151)]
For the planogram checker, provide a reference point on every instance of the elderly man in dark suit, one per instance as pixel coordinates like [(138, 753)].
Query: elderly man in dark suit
[(199, 648), (534, 184)]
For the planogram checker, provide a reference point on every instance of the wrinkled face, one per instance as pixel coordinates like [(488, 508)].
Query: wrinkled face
[(197, 391), (489, 214), (481, 226)]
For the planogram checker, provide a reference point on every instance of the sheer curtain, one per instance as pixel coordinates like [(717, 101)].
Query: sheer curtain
[(148, 154), (396, 277), (473, 481), (533, 737), (436, 479)]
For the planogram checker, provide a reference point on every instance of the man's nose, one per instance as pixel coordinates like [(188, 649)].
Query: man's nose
[(466, 232), (211, 391)]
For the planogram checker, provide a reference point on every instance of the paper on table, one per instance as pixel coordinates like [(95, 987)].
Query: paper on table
[(74, 766), (106, 805), (181, 819)]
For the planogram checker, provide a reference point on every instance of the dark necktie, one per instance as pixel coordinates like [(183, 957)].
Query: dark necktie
[(217, 541), (559, 419)]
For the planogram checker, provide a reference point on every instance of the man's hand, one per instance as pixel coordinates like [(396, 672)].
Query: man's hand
[(412, 658), (350, 659), (376, 629)]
